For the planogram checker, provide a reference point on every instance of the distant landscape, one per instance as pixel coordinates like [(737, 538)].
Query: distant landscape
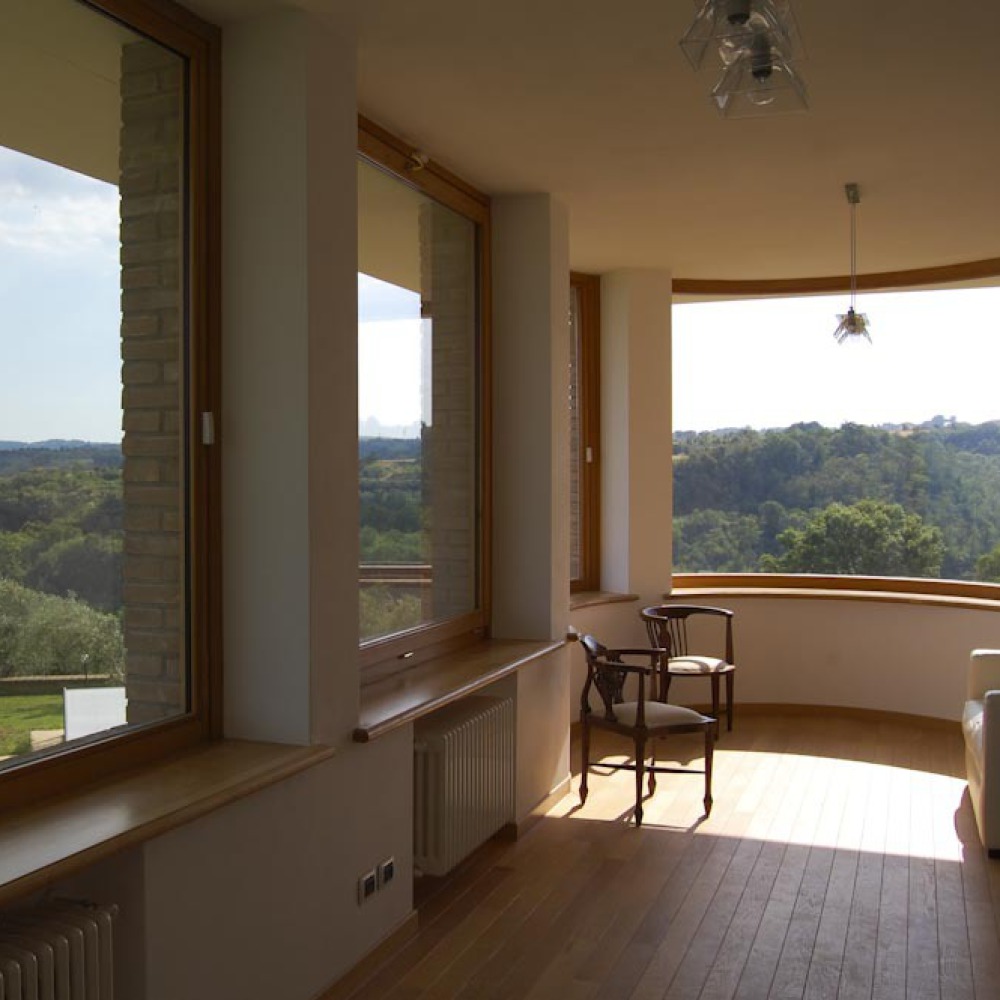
[(60, 575), (907, 500)]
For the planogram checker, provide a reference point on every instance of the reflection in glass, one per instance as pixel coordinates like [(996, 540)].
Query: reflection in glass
[(417, 399)]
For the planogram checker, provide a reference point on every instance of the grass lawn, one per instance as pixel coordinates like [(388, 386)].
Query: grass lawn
[(19, 714)]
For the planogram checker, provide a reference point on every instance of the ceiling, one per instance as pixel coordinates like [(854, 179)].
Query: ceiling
[(594, 102)]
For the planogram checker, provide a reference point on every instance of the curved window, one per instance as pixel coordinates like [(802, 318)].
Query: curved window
[(794, 454)]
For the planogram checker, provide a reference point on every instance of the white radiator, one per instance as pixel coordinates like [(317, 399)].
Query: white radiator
[(57, 950), (463, 771)]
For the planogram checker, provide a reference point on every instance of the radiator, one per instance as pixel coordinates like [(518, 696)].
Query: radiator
[(57, 950), (463, 780)]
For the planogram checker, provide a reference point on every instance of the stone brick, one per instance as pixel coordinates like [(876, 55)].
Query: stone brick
[(141, 421), (138, 470), (150, 397), (141, 373)]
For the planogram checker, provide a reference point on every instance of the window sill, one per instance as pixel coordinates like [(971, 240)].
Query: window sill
[(59, 837), (594, 598), (925, 593), (395, 701)]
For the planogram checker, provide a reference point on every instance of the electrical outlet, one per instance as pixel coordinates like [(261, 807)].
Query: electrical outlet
[(367, 884), (386, 872)]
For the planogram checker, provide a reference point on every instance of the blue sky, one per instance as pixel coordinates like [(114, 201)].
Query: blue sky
[(59, 303)]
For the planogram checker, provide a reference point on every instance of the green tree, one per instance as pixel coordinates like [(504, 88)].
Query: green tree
[(988, 566), (43, 635), (868, 538)]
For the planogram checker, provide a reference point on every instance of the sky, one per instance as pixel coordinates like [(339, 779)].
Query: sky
[(752, 363), (391, 388), (59, 303), (774, 362)]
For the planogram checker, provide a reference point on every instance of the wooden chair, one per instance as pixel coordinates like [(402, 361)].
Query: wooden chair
[(667, 626), (643, 720)]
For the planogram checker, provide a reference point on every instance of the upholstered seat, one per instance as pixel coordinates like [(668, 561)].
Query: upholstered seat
[(981, 731)]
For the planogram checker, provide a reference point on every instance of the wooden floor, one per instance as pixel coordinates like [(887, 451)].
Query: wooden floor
[(840, 861)]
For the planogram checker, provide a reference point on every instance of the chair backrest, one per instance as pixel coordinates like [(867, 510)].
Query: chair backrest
[(602, 675), (667, 624)]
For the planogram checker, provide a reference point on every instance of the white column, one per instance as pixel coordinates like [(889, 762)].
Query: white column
[(530, 417), (289, 427), (636, 433)]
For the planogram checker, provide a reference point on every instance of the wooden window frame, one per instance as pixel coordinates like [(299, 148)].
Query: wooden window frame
[(66, 770), (917, 590), (588, 288), (383, 657)]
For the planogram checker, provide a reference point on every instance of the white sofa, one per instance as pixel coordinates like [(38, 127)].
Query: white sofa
[(981, 729)]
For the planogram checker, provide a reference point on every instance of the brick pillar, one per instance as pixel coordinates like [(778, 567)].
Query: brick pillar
[(152, 394), (448, 286)]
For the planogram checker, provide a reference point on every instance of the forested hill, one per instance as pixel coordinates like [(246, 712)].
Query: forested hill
[(19, 457), (749, 500)]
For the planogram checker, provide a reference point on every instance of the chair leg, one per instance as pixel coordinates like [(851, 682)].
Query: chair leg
[(715, 702), (709, 749), (640, 762), (652, 766), (730, 684), (585, 760)]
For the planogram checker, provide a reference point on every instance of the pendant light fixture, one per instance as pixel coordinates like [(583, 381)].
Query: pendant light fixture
[(757, 44), (852, 323)]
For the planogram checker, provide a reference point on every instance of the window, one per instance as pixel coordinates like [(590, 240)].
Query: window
[(585, 432), (793, 454), (107, 336), (421, 414)]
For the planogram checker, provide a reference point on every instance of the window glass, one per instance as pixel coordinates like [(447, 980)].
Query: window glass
[(795, 454), (93, 634), (418, 408)]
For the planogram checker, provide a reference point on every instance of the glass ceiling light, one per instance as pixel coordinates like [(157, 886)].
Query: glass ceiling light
[(852, 324), (760, 81), (728, 26)]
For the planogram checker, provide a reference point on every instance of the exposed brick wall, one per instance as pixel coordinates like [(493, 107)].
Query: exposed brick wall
[(448, 282), (152, 400)]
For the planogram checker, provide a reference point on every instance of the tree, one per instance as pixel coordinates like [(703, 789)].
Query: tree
[(988, 566), (42, 635), (868, 538)]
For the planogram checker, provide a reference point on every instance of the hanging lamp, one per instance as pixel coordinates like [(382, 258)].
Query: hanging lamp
[(852, 323)]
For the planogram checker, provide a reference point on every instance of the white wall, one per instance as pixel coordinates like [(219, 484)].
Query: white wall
[(859, 654)]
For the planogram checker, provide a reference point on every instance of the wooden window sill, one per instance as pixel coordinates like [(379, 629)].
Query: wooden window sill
[(61, 836), (404, 697), (837, 594), (593, 598)]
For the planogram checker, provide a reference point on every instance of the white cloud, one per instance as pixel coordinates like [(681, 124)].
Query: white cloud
[(46, 209)]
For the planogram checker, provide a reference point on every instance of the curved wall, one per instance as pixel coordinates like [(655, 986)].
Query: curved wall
[(856, 653)]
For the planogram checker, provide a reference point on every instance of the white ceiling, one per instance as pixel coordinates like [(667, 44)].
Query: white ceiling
[(594, 102)]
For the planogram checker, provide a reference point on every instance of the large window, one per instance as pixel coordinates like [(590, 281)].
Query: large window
[(420, 418), (793, 454), (104, 658)]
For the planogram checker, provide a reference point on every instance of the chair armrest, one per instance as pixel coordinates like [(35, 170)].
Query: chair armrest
[(984, 672)]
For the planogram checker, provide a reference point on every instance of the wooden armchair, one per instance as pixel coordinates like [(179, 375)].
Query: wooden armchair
[(667, 626), (644, 720)]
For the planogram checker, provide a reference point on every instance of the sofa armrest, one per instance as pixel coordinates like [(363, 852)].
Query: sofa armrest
[(984, 673)]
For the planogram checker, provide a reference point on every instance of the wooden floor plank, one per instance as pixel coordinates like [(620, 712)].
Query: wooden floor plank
[(841, 860)]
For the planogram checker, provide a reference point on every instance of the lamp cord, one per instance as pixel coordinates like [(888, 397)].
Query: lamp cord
[(854, 254)]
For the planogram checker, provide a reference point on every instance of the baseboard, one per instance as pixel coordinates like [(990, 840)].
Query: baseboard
[(741, 709), (360, 973), (516, 830), (864, 714)]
